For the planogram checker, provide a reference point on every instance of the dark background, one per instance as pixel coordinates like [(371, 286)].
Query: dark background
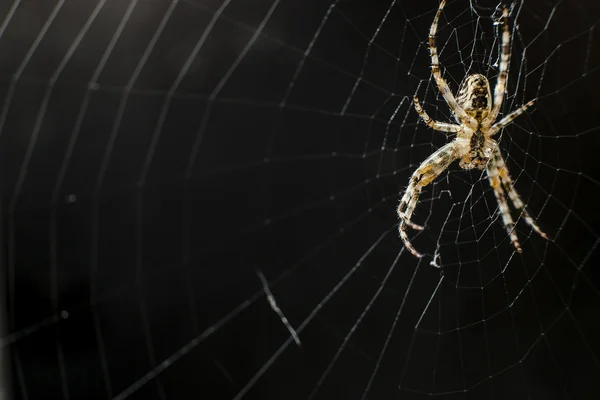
[(157, 156)]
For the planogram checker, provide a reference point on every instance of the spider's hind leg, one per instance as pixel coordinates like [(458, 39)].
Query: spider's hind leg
[(437, 73), (502, 79)]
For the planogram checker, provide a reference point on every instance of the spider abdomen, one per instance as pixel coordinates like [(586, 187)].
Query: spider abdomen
[(474, 96), (480, 99)]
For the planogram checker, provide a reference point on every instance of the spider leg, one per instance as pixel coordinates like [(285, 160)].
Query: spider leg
[(441, 82), (438, 126), (433, 166), (503, 72), (494, 177), (509, 118), (514, 196)]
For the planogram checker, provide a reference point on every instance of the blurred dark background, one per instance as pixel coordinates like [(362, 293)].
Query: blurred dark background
[(157, 156)]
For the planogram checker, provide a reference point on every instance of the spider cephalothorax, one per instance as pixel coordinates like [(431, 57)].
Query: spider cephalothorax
[(476, 115), (480, 151)]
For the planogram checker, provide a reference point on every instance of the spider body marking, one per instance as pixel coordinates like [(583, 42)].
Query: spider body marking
[(475, 97), (475, 110)]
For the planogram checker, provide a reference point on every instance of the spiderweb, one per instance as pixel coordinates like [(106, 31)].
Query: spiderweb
[(199, 200)]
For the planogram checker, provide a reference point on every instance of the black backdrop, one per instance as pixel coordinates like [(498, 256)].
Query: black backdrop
[(140, 204)]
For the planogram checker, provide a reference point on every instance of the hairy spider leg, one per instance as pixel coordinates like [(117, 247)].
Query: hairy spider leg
[(434, 165), (438, 126), (513, 195), (500, 87), (496, 183), (509, 118), (437, 74)]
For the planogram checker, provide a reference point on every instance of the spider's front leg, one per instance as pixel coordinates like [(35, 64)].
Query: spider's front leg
[(433, 166), (501, 169), (507, 220)]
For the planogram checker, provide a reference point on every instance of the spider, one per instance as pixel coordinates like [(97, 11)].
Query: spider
[(473, 145)]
